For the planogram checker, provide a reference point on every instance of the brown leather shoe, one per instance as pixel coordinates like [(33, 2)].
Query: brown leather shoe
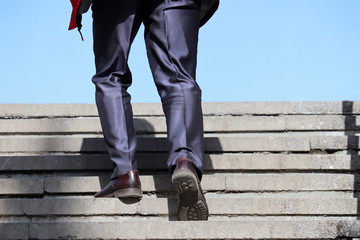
[(192, 203), (127, 185)]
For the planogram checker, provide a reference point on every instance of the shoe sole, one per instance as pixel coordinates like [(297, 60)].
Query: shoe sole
[(125, 193), (191, 206)]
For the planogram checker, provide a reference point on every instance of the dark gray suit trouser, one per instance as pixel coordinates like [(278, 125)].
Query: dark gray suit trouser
[(171, 37)]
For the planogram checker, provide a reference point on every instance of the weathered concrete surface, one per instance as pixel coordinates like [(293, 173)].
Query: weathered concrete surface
[(58, 162), (347, 229), (275, 108), (11, 207), (220, 205), (209, 108), (162, 183), (119, 228), (158, 124), (218, 182), (47, 110), (53, 126), (281, 162), (318, 122), (218, 143), (153, 229), (268, 174), (14, 230), (335, 142), (96, 144), (14, 186), (72, 184), (290, 182), (236, 161)]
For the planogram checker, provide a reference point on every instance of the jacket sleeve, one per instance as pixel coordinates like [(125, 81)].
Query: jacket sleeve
[(84, 6), (208, 8)]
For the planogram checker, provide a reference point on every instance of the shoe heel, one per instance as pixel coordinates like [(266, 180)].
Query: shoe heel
[(184, 181), (184, 185), (128, 192)]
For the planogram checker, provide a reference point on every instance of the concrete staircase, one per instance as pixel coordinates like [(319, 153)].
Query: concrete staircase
[(286, 170)]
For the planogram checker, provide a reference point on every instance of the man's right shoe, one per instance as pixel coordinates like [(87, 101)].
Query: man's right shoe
[(127, 185), (192, 203)]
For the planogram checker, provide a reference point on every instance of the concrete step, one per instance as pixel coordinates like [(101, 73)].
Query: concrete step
[(272, 171), (153, 228), (39, 185), (117, 228), (17, 228), (209, 108), (212, 162), (158, 124), (95, 143), (219, 205), (281, 142), (219, 182)]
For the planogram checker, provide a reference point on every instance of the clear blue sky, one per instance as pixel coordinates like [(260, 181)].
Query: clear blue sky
[(251, 50)]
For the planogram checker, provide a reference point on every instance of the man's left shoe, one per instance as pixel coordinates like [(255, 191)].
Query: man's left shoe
[(127, 185), (192, 203)]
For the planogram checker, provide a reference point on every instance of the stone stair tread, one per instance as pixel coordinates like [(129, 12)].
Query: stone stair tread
[(158, 124), (152, 161), (150, 228), (249, 182), (118, 229), (96, 144), (209, 108), (153, 206), (220, 182), (215, 143)]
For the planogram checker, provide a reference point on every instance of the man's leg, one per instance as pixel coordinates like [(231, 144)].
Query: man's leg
[(171, 34), (115, 24)]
